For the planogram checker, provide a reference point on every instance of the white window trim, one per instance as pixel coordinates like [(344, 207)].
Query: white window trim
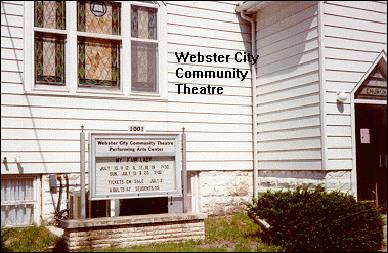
[(157, 41), (36, 197), (29, 45), (71, 55)]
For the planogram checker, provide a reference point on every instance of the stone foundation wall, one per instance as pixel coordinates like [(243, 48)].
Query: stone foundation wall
[(224, 192), (119, 232), (275, 180), (339, 180)]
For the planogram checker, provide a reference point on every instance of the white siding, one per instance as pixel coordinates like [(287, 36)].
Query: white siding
[(288, 103), (355, 32), (42, 130)]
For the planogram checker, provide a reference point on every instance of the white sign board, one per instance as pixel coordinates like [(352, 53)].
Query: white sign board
[(134, 165)]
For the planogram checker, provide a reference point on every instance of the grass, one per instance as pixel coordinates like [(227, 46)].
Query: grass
[(231, 233), (29, 239)]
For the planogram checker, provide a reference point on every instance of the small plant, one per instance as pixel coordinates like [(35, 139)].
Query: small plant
[(315, 220)]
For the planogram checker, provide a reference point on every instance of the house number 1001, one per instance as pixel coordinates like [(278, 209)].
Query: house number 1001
[(136, 129)]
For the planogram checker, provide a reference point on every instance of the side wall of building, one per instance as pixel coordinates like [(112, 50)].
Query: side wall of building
[(40, 131), (338, 46), (288, 98), (354, 34), (288, 103)]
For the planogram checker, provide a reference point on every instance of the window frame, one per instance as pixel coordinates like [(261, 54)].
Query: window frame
[(36, 202), (157, 41), (71, 86), (50, 31)]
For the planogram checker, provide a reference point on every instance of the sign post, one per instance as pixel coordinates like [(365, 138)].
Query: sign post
[(124, 166)]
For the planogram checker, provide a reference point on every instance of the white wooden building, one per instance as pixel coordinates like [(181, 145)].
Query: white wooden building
[(316, 58)]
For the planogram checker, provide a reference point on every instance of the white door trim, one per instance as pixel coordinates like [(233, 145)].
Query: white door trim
[(353, 101)]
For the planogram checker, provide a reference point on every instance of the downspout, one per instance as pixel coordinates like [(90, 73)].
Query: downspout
[(254, 105)]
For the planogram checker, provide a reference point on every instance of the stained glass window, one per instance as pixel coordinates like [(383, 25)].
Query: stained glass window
[(49, 58), (99, 17), (143, 22), (144, 68), (144, 49), (50, 14), (49, 46), (98, 62), (99, 43)]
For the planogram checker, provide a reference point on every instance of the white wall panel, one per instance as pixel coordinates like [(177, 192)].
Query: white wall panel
[(288, 86), (43, 128)]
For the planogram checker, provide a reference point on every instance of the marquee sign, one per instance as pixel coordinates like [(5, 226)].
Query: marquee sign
[(134, 165)]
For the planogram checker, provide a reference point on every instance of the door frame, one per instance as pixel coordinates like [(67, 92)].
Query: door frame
[(354, 141), (353, 101)]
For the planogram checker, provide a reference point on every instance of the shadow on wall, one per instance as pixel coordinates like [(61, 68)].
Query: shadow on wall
[(17, 163), (286, 39), (286, 50), (287, 81)]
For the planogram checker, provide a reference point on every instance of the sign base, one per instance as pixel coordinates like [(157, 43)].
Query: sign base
[(125, 231)]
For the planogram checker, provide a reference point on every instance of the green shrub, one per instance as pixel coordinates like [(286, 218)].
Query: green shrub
[(28, 239), (306, 220)]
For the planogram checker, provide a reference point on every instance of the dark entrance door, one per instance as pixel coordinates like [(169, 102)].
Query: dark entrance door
[(371, 151)]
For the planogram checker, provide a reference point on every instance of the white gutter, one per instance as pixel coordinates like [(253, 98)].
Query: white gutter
[(250, 7), (254, 104)]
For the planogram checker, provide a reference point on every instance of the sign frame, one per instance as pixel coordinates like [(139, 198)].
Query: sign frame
[(177, 192)]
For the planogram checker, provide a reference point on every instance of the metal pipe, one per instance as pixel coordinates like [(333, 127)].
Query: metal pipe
[(67, 191), (82, 166), (184, 172), (59, 178), (254, 104)]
